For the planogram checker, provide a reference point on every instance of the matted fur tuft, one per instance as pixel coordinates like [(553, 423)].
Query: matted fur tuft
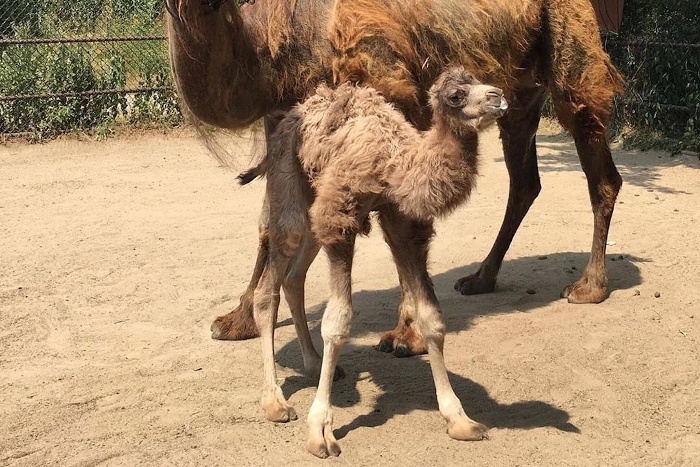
[(356, 150)]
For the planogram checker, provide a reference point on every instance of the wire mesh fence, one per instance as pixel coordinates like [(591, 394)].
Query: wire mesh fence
[(658, 52), (662, 89), (70, 65)]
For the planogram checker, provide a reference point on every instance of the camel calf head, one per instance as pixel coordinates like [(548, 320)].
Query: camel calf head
[(464, 102)]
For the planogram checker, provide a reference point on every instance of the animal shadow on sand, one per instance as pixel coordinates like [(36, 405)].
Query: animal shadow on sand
[(642, 169), (406, 384)]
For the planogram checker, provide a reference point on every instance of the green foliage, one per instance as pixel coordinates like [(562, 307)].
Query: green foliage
[(83, 66), (69, 68), (661, 79)]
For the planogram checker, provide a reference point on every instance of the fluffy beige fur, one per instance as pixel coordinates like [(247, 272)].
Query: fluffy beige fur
[(333, 159), (237, 64), (357, 149)]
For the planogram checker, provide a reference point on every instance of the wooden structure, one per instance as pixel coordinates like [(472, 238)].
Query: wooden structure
[(609, 14)]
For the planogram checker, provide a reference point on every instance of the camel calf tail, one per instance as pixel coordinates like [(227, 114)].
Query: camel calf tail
[(582, 76), (251, 174)]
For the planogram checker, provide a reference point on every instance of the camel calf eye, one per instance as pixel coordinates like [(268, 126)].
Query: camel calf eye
[(455, 98)]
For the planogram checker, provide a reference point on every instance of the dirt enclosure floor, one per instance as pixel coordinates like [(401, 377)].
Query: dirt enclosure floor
[(116, 256)]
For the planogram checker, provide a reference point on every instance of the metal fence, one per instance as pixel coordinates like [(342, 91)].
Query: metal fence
[(662, 89), (70, 65)]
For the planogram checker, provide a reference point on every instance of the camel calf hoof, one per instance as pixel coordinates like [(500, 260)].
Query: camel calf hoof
[(583, 291), (475, 284), (323, 447), (235, 326), (280, 413), (467, 430)]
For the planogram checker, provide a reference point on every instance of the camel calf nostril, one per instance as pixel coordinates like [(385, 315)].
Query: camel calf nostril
[(494, 93), (495, 101)]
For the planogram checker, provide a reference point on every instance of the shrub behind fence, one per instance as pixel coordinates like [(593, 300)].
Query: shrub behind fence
[(658, 52), (69, 65)]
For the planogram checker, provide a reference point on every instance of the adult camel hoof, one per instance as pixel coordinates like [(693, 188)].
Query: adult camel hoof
[(467, 430), (404, 341), (235, 326), (475, 284), (582, 291)]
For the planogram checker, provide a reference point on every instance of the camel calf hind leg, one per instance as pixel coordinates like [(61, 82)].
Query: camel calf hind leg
[(293, 287), (266, 305)]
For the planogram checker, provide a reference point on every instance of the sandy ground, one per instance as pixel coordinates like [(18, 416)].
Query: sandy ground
[(116, 256)]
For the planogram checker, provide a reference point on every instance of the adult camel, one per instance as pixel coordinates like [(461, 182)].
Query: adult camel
[(234, 65)]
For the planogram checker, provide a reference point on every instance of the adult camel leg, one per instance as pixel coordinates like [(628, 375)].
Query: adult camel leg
[(518, 127), (405, 340), (604, 183), (293, 286), (239, 324), (410, 247), (335, 329)]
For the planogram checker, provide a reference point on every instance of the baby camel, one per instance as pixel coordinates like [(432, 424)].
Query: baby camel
[(332, 160)]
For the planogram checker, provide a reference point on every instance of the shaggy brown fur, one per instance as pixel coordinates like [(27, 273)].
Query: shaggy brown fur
[(333, 159), (235, 65), (354, 147)]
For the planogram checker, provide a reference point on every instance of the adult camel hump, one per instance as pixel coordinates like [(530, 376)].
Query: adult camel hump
[(234, 65)]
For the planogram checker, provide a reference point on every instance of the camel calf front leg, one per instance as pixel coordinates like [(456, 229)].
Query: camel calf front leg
[(335, 329), (459, 425), (409, 241)]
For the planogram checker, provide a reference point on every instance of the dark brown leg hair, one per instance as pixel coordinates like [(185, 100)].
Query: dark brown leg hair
[(239, 324), (518, 128), (604, 183)]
